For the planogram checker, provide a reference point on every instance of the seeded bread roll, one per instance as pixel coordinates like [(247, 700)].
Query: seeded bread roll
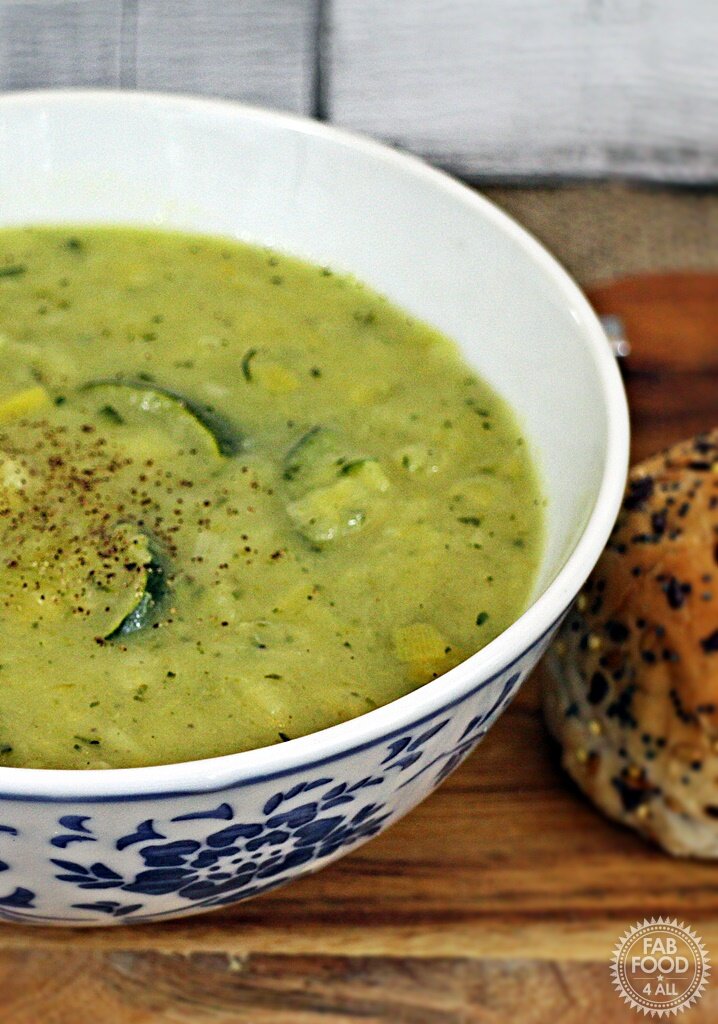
[(633, 692)]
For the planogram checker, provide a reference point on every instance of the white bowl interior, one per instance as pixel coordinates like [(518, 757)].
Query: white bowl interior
[(461, 266)]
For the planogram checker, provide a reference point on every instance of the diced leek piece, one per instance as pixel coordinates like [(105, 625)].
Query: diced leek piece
[(419, 641), (23, 403), (137, 407), (275, 378)]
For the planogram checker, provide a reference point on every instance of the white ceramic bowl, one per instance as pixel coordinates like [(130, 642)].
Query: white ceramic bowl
[(148, 843)]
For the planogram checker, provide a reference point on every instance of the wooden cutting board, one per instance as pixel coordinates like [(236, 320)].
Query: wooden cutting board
[(499, 899)]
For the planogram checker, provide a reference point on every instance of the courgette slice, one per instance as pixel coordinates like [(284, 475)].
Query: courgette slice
[(126, 586), (138, 405), (318, 458), (327, 513), (143, 599), (111, 589), (324, 514), (332, 493)]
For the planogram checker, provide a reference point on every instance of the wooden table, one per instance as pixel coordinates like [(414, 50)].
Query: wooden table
[(499, 899)]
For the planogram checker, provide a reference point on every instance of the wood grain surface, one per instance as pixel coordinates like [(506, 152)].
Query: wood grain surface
[(258, 51), (672, 376), (499, 899), (506, 89), (55, 45), (532, 88)]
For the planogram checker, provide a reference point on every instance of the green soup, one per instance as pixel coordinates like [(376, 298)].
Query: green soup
[(242, 498)]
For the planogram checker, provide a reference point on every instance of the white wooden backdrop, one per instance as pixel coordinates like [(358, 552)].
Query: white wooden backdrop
[(494, 89)]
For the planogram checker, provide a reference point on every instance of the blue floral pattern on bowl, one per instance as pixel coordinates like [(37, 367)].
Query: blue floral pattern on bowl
[(152, 857)]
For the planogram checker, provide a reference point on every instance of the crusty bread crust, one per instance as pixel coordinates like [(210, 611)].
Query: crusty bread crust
[(633, 691)]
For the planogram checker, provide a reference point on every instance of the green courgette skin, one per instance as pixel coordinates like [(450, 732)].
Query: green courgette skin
[(150, 606), (317, 446), (229, 439), (328, 493), (318, 458)]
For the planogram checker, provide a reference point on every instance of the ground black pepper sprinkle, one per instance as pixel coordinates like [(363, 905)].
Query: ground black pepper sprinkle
[(710, 642), (639, 491), (598, 688)]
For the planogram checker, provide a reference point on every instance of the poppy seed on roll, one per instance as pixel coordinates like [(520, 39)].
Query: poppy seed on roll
[(632, 695)]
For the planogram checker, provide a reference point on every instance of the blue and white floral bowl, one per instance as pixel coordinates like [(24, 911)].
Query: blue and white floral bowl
[(92, 848)]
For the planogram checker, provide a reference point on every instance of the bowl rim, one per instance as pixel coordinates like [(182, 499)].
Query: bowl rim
[(308, 752)]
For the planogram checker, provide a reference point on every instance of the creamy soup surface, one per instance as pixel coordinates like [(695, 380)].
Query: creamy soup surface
[(242, 498)]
